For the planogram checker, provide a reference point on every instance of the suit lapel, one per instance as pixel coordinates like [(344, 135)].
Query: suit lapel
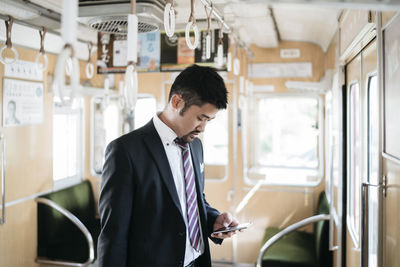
[(156, 148)]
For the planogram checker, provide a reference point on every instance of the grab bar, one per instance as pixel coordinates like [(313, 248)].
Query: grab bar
[(287, 230), (81, 227), (3, 179), (365, 221)]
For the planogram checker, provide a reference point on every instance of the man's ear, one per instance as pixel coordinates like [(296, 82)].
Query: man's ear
[(177, 102)]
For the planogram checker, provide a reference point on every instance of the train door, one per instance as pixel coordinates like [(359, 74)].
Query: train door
[(391, 144), (362, 154)]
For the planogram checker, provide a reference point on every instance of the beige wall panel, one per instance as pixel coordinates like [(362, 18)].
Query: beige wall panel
[(309, 52), (352, 23), (331, 54), (29, 148), (391, 214), (353, 256), (386, 17), (18, 236)]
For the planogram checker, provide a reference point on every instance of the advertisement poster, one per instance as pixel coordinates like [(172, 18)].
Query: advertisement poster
[(22, 102), (112, 52), (175, 54)]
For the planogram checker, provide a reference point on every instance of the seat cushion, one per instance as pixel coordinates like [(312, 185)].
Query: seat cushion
[(296, 249)]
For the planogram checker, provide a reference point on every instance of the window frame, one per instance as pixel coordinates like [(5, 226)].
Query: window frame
[(253, 166), (219, 168), (352, 223), (66, 110), (117, 97)]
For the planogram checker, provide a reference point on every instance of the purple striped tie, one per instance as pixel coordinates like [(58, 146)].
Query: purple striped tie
[(191, 196)]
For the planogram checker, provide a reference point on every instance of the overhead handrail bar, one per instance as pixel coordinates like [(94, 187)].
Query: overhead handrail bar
[(67, 58), (169, 19), (131, 80), (81, 227), (219, 17), (3, 179), (89, 66), (42, 52), (208, 36), (192, 24), (27, 24), (287, 230), (220, 49), (8, 44)]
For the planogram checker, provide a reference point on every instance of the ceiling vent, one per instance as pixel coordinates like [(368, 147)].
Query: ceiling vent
[(111, 16)]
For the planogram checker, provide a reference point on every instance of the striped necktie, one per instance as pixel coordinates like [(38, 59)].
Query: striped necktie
[(191, 196)]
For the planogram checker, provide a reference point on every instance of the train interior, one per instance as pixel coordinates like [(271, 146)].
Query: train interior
[(307, 150)]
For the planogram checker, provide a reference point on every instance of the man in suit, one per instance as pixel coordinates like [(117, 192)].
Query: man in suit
[(152, 207)]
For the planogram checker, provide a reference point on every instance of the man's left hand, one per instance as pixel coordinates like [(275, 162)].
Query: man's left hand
[(224, 220)]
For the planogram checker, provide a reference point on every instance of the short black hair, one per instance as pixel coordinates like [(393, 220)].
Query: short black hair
[(198, 85)]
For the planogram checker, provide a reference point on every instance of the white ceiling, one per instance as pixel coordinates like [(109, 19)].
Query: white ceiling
[(253, 22)]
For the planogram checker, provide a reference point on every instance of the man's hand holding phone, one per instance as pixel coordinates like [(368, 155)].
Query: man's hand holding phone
[(226, 226)]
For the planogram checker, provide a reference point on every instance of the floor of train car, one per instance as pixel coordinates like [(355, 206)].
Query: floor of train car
[(214, 264)]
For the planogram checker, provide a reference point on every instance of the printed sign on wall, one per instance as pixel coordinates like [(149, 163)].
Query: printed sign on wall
[(113, 49), (22, 102)]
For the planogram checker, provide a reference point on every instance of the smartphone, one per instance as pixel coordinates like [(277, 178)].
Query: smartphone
[(232, 228)]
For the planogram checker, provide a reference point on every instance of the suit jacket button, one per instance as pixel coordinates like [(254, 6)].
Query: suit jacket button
[(180, 264), (181, 233)]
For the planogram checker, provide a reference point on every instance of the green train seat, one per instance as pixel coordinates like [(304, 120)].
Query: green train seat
[(290, 247), (67, 226)]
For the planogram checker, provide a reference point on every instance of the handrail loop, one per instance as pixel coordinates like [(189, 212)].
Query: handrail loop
[(64, 92), (78, 224), (89, 65), (287, 230), (3, 179), (106, 98), (192, 24), (208, 36), (8, 44), (42, 52), (131, 85), (220, 50), (236, 63), (169, 19)]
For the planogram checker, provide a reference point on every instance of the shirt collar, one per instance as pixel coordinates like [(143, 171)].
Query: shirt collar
[(166, 134)]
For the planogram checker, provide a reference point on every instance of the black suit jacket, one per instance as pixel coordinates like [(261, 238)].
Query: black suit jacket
[(141, 218)]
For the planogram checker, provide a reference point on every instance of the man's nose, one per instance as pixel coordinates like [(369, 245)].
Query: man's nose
[(202, 126)]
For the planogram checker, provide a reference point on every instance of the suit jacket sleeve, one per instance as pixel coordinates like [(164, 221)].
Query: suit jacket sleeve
[(115, 207), (212, 213)]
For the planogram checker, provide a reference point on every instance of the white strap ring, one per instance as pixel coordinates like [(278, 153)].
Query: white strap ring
[(169, 20), (45, 61), (6, 60), (196, 35), (89, 70)]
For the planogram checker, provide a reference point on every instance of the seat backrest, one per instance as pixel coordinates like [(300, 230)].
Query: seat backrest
[(77, 199), (55, 230), (321, 233)]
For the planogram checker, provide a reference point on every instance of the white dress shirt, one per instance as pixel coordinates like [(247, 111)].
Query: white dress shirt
[(174, 155)]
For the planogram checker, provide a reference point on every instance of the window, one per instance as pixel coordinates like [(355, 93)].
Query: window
[(354, 161), (215, 144), (109, 122), (105, 127), (67, 144), (215, 140), (373, 166), (146, 108), (286, 139)]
